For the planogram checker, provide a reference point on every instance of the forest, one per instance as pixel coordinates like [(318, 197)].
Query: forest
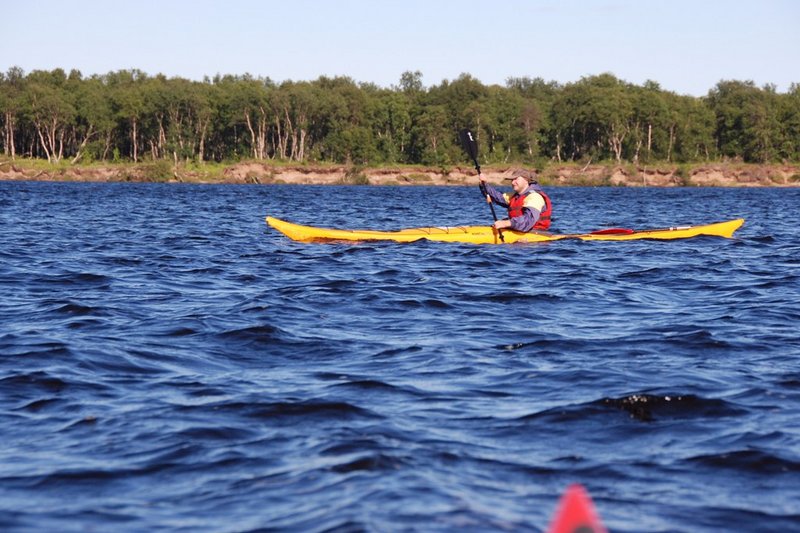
[(130, 116)]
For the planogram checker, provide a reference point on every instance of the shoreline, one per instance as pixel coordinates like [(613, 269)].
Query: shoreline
[(264, 173)]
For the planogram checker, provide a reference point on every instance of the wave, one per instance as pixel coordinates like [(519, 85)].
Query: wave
[(649, 407), (755, 461), (643, 407)]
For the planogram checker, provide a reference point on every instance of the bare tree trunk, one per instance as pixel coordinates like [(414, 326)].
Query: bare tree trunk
[(288, 132), (8, 147), (51, 138), (301, 152), (13, 146), (558, 148), (61, 144), (88, 136), (671, 142), (202, 144), (252, 134), (11, 136), (615, 141), (258, 135), (616, 146), (262, 133), (162, 136), (134, 140), (107, 146), (44, 143), (280, 149)]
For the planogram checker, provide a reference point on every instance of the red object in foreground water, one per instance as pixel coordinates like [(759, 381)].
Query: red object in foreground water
[(576, 514)]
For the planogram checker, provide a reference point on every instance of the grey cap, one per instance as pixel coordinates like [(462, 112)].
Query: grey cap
[(529, 175)]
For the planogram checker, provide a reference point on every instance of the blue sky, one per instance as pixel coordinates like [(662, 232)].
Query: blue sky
[(685, 46)]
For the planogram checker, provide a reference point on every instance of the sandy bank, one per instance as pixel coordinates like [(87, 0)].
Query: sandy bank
[(717, 175)]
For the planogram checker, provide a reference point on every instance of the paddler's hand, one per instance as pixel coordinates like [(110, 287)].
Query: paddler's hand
[(482, 178), (502, 224)]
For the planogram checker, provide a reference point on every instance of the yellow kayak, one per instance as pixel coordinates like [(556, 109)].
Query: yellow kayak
[(488, 235)]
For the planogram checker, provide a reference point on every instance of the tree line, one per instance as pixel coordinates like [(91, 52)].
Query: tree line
[(129, 115)]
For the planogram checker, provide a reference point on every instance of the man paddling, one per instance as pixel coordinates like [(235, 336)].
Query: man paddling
[(529, 208)]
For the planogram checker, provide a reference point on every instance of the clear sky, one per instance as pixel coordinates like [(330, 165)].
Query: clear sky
[(687, 46)]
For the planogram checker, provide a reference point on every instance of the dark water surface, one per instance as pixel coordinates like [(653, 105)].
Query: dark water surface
[(168, 362)]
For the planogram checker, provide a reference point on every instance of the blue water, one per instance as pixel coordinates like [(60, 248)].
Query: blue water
[(168, 362)]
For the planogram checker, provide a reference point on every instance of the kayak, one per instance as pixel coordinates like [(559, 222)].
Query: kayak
[(489, 235)]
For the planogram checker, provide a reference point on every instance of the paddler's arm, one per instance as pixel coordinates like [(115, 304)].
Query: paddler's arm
[(496, 196), (525, 221)]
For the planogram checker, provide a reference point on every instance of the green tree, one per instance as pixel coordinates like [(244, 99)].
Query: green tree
[(228, 137), (649, 121), (464, 101), (747, 124), (691, 130), (536, 114), (504, 124), (592, 118), (411, 82), (389, 114), (93, 119), (341, 127), (250, 100), (789, 116), (429, 136), (129, 107), (294, 105), (55, 115), (12, 91), (52, 110)]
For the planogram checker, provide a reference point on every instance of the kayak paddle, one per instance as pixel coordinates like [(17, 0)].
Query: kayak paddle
[(470, 145)]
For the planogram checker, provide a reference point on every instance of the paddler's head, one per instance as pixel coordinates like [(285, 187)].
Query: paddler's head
[(520, 179)]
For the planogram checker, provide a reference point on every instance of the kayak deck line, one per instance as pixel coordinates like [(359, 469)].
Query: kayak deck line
[(489, 235)]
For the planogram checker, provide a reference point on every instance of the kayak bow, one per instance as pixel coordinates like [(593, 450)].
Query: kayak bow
[(488, 235), (576, 513)]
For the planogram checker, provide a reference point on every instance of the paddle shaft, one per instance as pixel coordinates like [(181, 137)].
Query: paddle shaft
[(489, 201), (470, 146)]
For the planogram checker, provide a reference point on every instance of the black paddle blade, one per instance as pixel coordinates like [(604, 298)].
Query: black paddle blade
[(470, 145)]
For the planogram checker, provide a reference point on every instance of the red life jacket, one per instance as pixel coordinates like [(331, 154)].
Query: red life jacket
[(546, 214), (517, 202)]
